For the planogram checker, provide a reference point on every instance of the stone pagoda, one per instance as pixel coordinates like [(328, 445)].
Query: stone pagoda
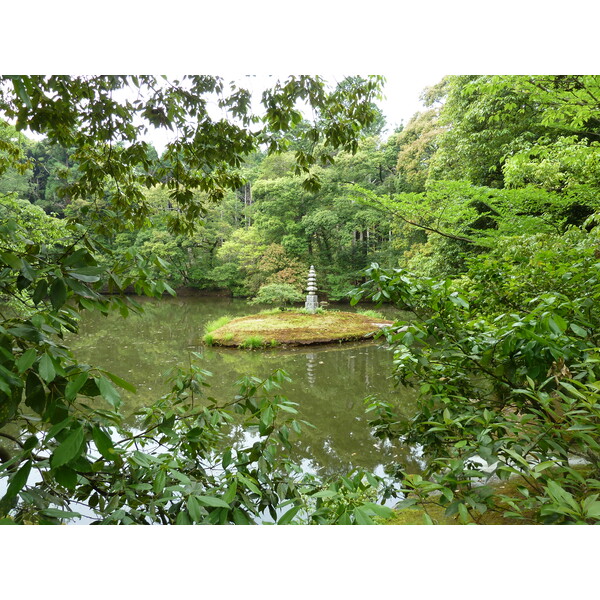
[(312, 300)]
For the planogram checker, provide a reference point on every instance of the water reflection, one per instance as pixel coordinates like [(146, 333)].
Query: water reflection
[(329, 383), (311, 359)]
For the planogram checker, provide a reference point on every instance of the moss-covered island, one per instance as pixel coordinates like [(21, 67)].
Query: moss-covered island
[(292, 328)]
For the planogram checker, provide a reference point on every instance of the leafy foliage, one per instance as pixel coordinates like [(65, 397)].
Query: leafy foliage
[(513, 394), (279, 294)]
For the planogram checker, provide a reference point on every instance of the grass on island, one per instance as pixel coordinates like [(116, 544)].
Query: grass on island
[(292, 327)]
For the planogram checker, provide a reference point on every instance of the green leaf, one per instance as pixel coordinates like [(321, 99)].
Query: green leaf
[(362, 518), (180, 476), (55, 429), (212, 501), (226, 460), (141, 459), (26, 360), (239, 518), (592, 509), (103, 442), (287, 517), (248, 484), (18, 481), (267, 416), (194, 509), (58, 293), (458, 301), (325, 494), (86, 274), (69, 449), (559, 494), (344, 519), (183, 518), (60, 514), (27, 332), (543, 465), (11, 260), (121, 382), (66, 477), (406, 503), (46, 368), (75, 385), (557, 324), (30, 443), (41, 289), (109, 393), (229, 495), (159, 482), (169, 289), (381, 511), (580, 331), (21, 91), (517, 457)]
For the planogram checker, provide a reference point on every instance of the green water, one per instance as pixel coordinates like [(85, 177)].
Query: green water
[(329, 382)]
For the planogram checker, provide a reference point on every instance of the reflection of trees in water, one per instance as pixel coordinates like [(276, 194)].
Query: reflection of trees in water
[(329, 383), (143, 347)]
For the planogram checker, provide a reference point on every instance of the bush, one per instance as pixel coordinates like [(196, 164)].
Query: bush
[(279, 294), (513, 394)]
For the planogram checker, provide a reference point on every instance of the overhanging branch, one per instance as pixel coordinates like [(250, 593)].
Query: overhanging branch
[(387, 209)]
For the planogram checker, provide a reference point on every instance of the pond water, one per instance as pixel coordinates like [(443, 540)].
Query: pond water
[(329, 382)]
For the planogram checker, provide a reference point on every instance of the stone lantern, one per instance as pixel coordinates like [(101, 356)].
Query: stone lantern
[(312, 301)]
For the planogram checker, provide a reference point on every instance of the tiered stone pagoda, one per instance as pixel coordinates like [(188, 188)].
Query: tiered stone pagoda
[(312, 300)]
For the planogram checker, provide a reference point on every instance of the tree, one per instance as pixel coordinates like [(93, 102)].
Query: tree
[(279, 294), (83, 454), (506, 154), (484, 124), (502, 347), (417, 144), (15, 171)]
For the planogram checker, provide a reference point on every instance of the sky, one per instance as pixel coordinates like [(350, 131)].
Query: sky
[(402, 91)]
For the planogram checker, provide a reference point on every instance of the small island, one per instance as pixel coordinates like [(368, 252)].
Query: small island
[(293, 328), (279, 327)]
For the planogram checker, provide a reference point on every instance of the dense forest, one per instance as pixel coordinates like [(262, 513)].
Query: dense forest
[(479, 217), (269, 230)]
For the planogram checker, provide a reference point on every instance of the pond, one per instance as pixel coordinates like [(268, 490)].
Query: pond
[(329, 382)]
